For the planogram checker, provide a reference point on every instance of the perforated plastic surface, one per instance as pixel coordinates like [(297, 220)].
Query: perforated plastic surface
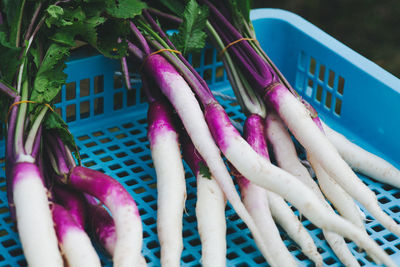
[(109, 124)]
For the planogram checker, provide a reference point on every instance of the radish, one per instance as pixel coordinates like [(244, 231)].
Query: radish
[(171, 185), (284, 216), (123, 209), (297, 119), (210, 209), (34, 219), (363, 161), (286, 157), (74, 242), (103, 227), (255, 198), (181, 97)]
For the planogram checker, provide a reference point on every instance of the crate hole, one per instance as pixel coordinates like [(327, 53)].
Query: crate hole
[(387, 187), (115, 167), (97, 133), (127, 125), (91, 144), (195, 242), (302, 60), (84, 109), (378, 228), (121, 136), (395, 209), (131, 97), (232, 255), (105, 140), (9, 243), (379, 242), (70, 91), (3, 232), (340, 85), (318, 96), (98, 84), (71, 113), (145, 157), (301, 257), (219, 74), (146, 178), (259, 259), (300, 81), (313, 66), (83, 137), (389, 251), (113, 148), (330, 261), (208, 56), (118, 98), (137, 169), (383, 200), (239, 240), (331, 78), (89, 163), (249, 249), (149, 198), (311, 227), (139, 190), (129, 162), (190, 219), (149, 221), (16, 252), (338, 106), (121, 154), (328, 99), (57, 99), (321, 74), (152, 244), (98, 105), (188, 258), (207, 75), (309, 89), (106, 159), (137, 150), (390, 237), (113, 129), (58, 111), (196, 59), (117, 84), (130, 182), (84, 87), (186, 233)]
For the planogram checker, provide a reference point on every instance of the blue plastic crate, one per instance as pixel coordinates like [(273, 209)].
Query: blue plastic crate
[(351, 93)]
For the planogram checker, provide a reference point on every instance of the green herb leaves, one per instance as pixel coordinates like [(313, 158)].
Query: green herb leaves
[(204, 170), (190, 36), (125, 9)]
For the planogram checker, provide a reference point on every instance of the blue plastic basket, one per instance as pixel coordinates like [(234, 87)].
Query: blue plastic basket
[(352, 94)]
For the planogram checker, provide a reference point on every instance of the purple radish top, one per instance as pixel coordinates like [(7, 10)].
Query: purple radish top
[(273, 95), (63, 222), (73, 202), (159, 120), (103, 226), (167, 78), (220, 125), (24, 170), (254, 134), (101, 186)]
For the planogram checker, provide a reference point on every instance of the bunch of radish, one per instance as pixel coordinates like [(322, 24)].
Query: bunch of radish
[(211, 132), (50, 197)]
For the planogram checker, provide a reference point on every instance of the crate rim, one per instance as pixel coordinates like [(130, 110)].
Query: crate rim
[(330, 42)]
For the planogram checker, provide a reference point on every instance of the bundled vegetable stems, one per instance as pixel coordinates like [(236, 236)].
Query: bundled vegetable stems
[(48, 194)]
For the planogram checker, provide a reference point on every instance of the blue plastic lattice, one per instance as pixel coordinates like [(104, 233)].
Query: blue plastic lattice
[(351, 93)]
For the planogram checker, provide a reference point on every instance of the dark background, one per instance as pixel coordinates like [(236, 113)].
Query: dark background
[(370, 27)]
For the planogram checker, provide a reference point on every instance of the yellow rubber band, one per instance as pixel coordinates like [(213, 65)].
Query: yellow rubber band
[(234, 42), (157, 52), (26, 101)]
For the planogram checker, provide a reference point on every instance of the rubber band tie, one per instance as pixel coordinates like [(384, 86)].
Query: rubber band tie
[(235, 42), (157, 52), (26, 101)]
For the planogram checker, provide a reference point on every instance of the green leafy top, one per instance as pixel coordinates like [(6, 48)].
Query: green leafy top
[(204, 170), (190, 36)]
